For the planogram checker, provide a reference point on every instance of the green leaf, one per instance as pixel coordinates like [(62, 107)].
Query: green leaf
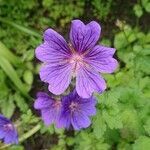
[(21, 28), (8, 107), (113, 121), (110, 112), (144, 82), (123, 145), (16, 147), (131, 124), (131, 37), (28, 117), (28, 77), (105, 42), (28, 55), (70, 141), (137, 48), (11, 73), (20, 102), (120, 41), (147, 8), (143, 64), (147, 126), (6, 53), (138, 10), (146, 5), (99, 126), (142, 143)]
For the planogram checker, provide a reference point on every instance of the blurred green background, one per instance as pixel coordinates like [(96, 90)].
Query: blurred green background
[(123, 111)]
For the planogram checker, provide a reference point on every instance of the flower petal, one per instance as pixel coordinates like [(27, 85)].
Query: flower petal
[(84, 37), (58, 77), (48, 115), (80, 120), (11, 137), (4, 120), (88, 106), (100, 58), (89, 81), (54, 49), (43, 101), (64, 121), (2, 133)]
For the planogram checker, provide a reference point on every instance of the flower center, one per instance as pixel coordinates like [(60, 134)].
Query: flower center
[(8, 127), (57, 104), (73, 106), (77, 62), (77, 59)]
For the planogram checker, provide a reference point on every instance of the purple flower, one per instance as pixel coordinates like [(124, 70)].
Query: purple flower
[(76, 111), (72, 110), (79, 58), (50, 108), (8, 132)]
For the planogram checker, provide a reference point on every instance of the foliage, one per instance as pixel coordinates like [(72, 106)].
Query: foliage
[(101, 8), (122, 121)]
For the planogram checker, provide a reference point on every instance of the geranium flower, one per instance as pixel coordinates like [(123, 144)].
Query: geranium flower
[(8, 132), (71, 110), (78, 58), (76, 111), (50, 108)]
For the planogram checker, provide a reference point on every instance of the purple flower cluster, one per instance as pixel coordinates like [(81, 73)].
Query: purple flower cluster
[(71, 110), (8, 132), (81, 59)]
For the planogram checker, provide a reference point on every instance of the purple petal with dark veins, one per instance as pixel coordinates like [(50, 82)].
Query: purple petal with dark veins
[(50, 108), (58, 77), (101, 59), (54, 49), (43, 101), (84, 37), (79, 117), (89, 81), (8, 132), (80, 120)]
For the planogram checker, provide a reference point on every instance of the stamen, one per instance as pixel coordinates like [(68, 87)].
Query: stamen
[(8, 127), (57, 104), (73, 106), (77, 60), (71, 48)]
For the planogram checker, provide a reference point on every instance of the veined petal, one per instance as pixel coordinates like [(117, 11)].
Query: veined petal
[(54, 49), (49, 115), (100, 58), (88, 106), (2, 133), (89, 81), (11, 137), (3, 120), (43, 101), (58, 77), (7, 131), (84, 37), (80, 120), (64, 121)]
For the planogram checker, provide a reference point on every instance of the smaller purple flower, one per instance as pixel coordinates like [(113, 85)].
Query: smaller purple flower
[(76, 111), (8, 132), (50, 108)]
